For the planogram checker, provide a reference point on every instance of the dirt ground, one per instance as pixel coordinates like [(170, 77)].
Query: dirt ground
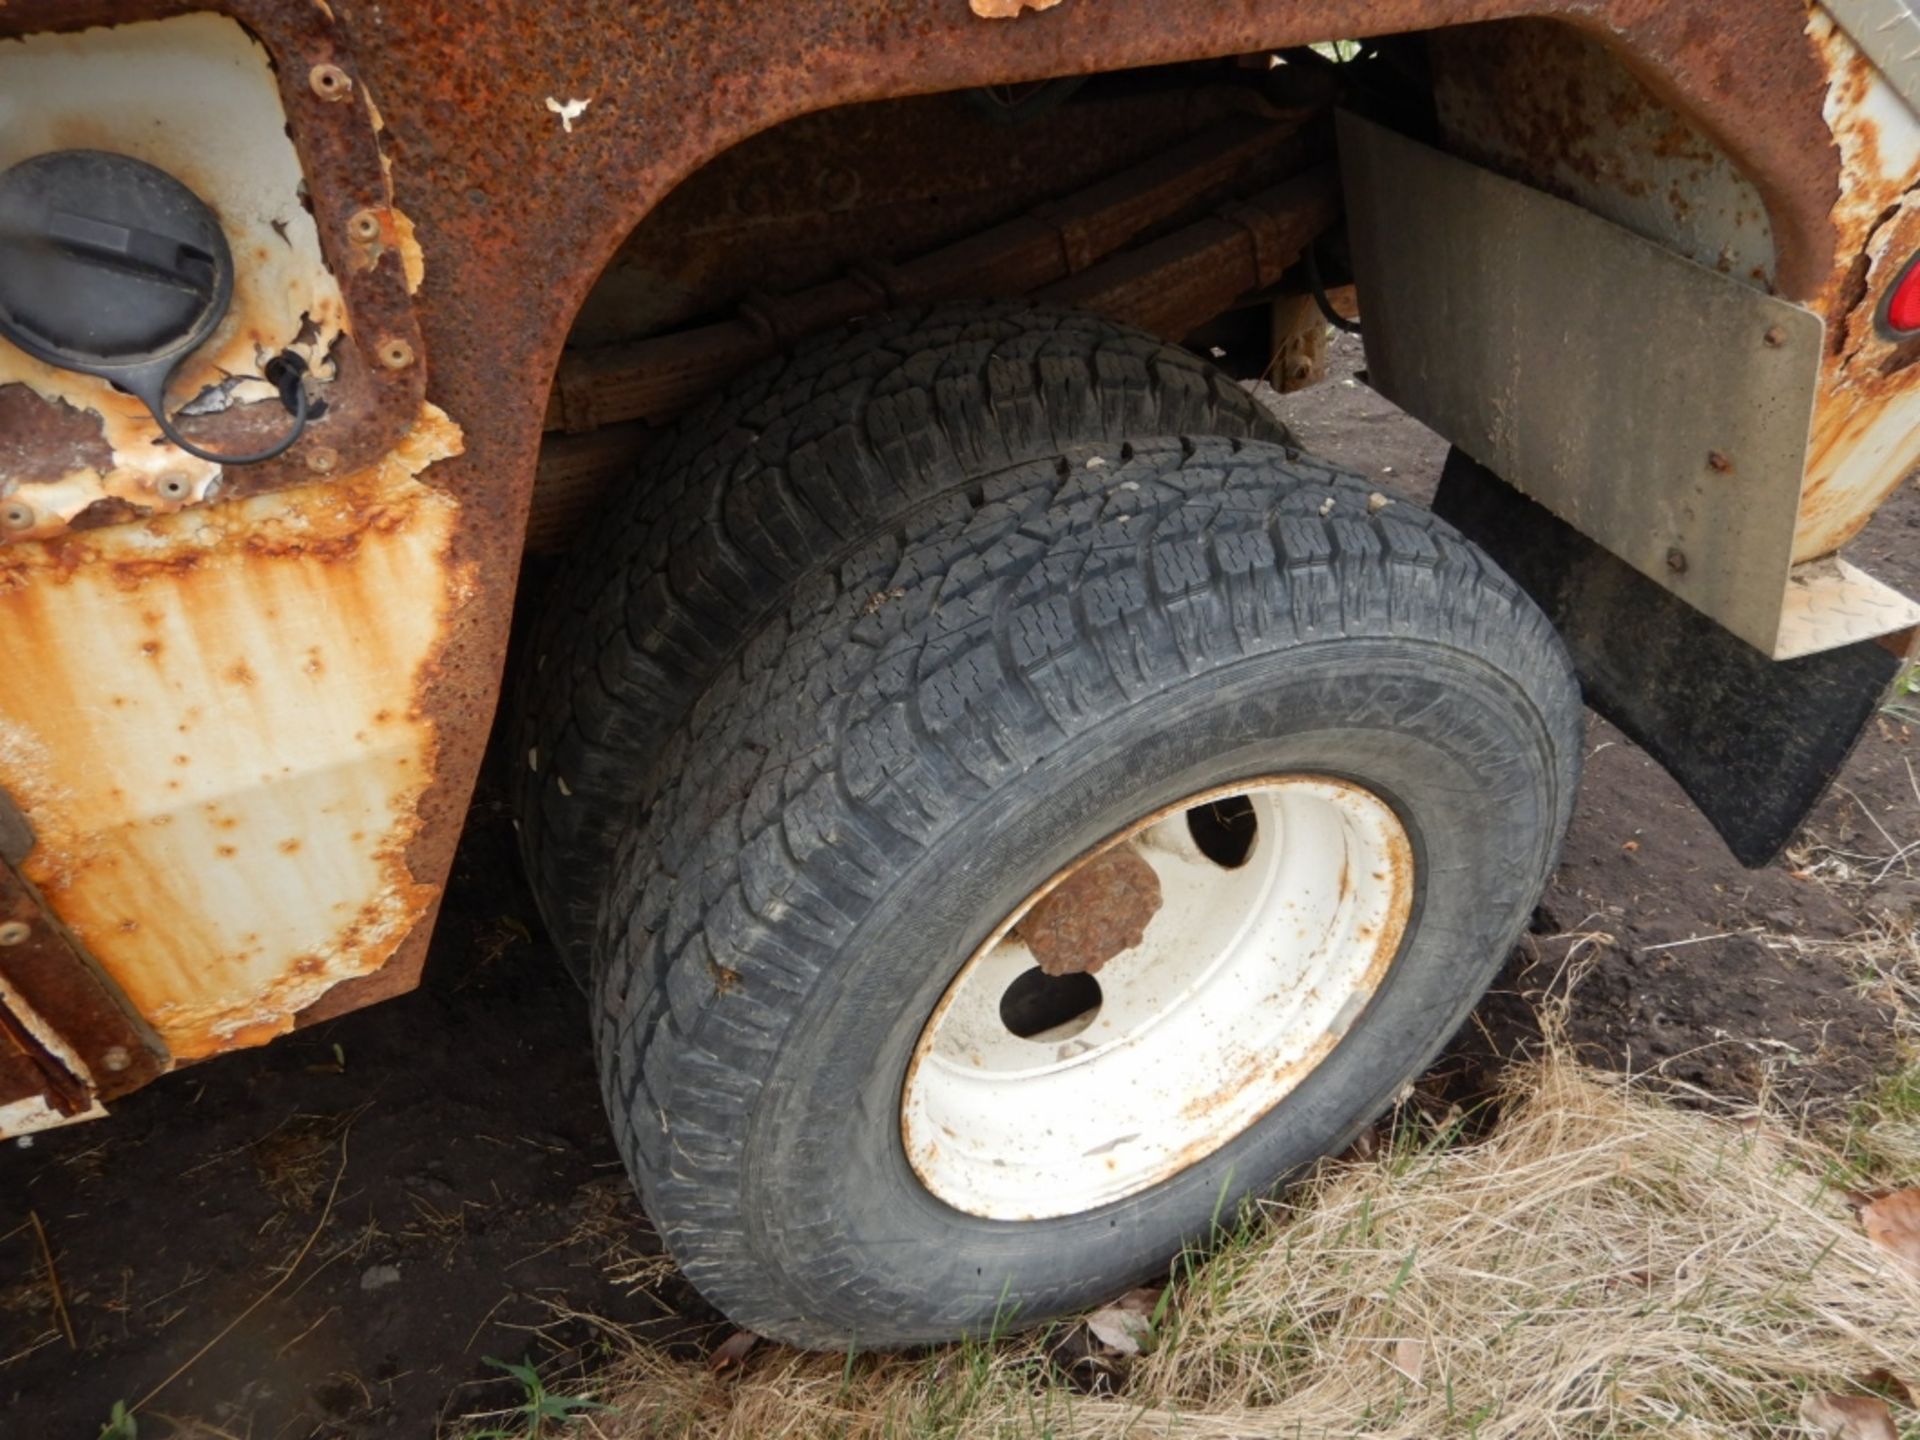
[(439, 1169)]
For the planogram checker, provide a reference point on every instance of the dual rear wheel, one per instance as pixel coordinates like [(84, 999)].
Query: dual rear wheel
[(1065, 833)]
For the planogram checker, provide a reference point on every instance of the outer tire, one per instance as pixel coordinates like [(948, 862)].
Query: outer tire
[(792, 466), (963, 706)]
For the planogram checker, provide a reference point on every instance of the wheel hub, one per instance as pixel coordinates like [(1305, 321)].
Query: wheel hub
[(1235, 936)]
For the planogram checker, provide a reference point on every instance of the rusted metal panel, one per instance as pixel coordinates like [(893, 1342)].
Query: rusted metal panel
[(800, 204), (1542, 102), (213, 721), (656, 378), (1167, 287), (79, 453), (1866, 429)]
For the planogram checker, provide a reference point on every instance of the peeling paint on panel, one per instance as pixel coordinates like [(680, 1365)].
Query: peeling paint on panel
[(1866, 430), (210, 709), (122, 90)]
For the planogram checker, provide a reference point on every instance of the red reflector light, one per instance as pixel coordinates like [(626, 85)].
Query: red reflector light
[(1902, 315)]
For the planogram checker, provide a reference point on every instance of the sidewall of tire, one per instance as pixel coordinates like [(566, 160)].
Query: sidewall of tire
[(1481, 780)]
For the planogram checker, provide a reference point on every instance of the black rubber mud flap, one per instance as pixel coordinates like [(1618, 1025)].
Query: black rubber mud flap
[(1755, 742)]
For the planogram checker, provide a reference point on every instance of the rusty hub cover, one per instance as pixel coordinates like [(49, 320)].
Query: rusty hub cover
[(1099, 911)]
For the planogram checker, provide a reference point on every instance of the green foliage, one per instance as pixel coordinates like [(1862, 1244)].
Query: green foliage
[(539, 1408), (121, 1424)]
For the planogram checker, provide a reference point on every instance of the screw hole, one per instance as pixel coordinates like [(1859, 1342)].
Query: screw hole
[(329, 82)]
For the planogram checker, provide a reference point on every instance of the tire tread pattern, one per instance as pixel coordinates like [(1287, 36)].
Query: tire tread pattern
[(800, 459), (895, 692)]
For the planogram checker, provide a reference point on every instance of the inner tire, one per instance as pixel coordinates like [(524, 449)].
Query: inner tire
[(997, 689), (792, 465)]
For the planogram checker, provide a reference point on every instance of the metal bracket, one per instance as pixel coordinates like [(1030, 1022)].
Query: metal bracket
[(62, 1009)]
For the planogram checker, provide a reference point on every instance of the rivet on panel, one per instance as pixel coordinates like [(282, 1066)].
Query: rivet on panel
[(364, 226), (175, 486), (330, 82), (115, 1058), (321, 459), (15, 932), (1677, 561), (1775, 337), (16, 515), (396, 354), (1719, 463)]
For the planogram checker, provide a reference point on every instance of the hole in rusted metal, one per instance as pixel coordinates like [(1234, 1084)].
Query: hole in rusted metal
[(1224, 830), (1054, 1006), (330, 82)]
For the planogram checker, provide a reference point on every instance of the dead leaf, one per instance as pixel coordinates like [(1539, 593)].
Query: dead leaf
[(1126, 1326), (1410, 1359), (1848, 1417), (1885, 1383), (731, 1353), (1893, 1223), (1008, 9)]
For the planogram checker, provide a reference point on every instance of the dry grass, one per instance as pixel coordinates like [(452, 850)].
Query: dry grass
[(1603, 1264)]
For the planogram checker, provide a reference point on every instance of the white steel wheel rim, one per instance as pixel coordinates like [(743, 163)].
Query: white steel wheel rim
[(1242, 982)]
